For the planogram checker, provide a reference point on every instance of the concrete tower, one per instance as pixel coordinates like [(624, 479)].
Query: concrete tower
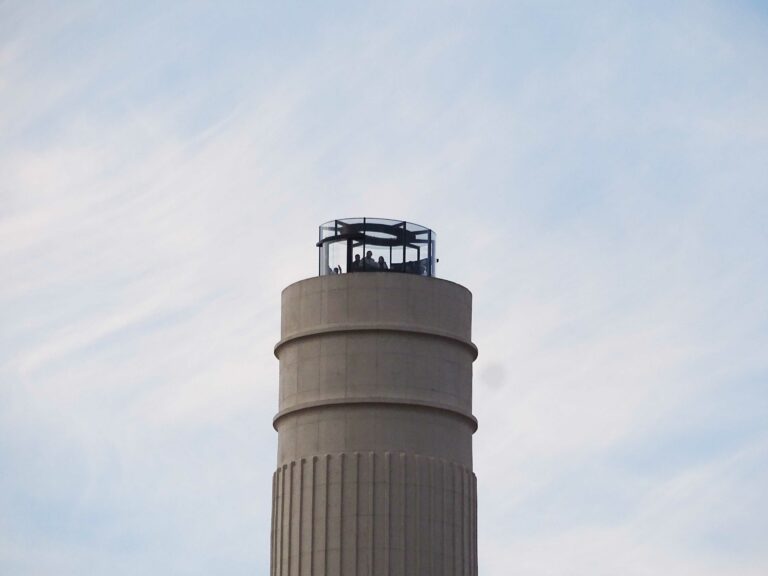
[(374, 469)]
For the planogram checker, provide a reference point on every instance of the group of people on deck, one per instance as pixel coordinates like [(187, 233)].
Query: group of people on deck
[(364, 264), (368, 263)]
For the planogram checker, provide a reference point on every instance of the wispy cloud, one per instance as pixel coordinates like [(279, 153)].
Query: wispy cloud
[(596, 177)]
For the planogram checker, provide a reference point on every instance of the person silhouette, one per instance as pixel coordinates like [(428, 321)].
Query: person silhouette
[(370, 263), (383, 263)]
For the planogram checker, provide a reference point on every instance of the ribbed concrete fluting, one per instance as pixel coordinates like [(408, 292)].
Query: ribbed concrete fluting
[(375, 429)]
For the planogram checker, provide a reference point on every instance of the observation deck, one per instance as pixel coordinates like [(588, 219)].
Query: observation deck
[(352, 245)]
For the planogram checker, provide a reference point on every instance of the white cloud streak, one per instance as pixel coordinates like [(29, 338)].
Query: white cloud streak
[(595, 176)]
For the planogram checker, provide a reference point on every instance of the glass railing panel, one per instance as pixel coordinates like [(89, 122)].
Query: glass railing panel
[(376, 245)]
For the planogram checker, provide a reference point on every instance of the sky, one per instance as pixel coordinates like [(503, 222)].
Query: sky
[(596, 175)]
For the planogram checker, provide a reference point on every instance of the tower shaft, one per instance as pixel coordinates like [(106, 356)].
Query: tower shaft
[(374, 473)]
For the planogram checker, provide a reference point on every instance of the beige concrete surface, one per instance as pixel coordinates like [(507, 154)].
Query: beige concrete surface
[(375, 428)]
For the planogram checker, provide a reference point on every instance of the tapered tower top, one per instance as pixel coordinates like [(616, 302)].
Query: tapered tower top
[(375, 245)]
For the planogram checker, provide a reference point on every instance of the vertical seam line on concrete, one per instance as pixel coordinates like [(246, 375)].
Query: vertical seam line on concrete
[(312, 518), (356, 512), (444, 491), (460, 494), (417, 506), (272, 528), (456, 536), (325, 516), (341, 514), (276, 557), (301, 515), (372, 508), (290, 514), (432, 488), (282, 517), (471, 524), (474, 524), (462, 548), (469, 521), (464, 539), (405, 511), (387, 512)]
